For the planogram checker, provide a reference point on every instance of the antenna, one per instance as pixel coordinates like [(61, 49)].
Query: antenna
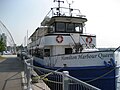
[(70, 7), (58, 5)]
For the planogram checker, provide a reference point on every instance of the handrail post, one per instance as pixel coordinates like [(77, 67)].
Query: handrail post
[(31, 63), (65, 80), (29, 77), (28, 71)]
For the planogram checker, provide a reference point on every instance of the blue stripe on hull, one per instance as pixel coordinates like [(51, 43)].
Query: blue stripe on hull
[(107, 82)]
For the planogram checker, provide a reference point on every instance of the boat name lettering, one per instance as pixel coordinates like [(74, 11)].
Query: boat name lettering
[(88, 56), (69, 57), (102, 56)]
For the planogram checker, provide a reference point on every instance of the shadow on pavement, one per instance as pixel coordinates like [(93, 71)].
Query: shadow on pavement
[(10, 74), (11, 65)]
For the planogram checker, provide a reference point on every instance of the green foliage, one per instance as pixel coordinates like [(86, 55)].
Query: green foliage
[(2, 45)]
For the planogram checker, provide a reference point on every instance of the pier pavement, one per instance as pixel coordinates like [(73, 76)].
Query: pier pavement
[(10, 73), (12, 77)]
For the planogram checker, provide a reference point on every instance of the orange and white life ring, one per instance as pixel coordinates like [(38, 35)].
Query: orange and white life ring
[(59, 38), (89, 40)]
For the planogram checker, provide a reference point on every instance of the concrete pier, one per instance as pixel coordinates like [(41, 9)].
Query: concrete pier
[(10, 73)]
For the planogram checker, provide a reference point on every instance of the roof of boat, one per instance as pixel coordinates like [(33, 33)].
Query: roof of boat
[(49, 21)]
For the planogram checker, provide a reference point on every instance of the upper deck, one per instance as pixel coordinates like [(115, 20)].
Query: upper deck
[(63, 14)]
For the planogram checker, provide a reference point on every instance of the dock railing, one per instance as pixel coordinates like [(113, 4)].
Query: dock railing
[(28, 73), (55, 79)]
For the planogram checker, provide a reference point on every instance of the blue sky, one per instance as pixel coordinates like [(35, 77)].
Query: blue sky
[(22, 15), (103, 18)]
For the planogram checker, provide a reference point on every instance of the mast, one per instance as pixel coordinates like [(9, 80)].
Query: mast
[(58, 6), (70, 10)]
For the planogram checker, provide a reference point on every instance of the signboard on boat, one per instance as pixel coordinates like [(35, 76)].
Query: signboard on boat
[(82, 59), (88, 56)]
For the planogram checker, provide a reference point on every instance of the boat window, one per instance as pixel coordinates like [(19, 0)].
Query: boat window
[(46, 52), (38, 52), (68, 50), (78, 28), (60, 27), (51, 29), (69, 27)]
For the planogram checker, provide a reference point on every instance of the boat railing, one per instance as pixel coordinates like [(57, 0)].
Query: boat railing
[(63, 11), (117, 49), (55, 79)]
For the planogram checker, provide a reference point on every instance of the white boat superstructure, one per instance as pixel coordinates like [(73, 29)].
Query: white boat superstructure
[(61, 41)]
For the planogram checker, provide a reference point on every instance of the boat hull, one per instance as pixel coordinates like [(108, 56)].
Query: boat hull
[(102, 77)]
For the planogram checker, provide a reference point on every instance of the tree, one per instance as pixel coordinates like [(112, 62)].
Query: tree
[(2, 45)]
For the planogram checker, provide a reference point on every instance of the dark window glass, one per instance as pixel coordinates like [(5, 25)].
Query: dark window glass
[(46, 52), (68, 50), (60, 27), (37, 52), (69, 27)]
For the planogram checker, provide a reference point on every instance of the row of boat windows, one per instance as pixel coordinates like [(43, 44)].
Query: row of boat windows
[(62, 28), (67, 27), (46, 52)]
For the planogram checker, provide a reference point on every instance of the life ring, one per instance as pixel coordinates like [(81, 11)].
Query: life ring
[(89, 40), (59, 38)]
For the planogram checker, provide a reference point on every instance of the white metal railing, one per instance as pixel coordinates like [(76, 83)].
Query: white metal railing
[(54, 79), (28, 72), (64, 12)]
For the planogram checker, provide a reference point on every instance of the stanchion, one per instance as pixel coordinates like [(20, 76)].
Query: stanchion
[(65, 80)]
